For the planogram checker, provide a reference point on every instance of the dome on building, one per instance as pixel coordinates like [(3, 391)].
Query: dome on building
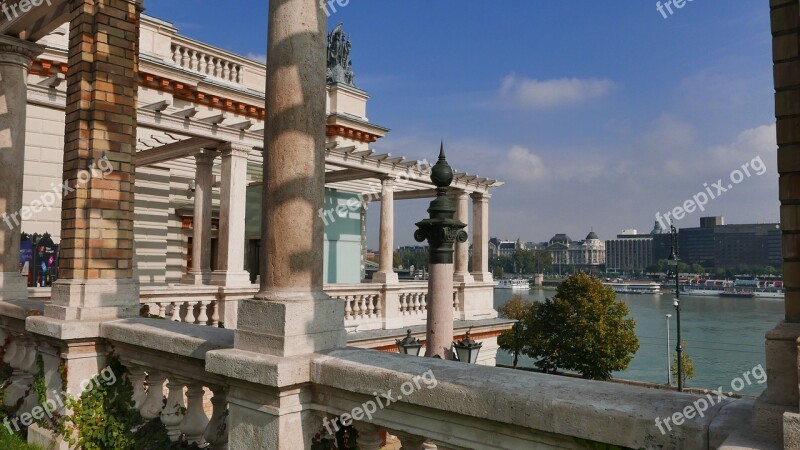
[(657, 228), (592, 236), (560, 238)]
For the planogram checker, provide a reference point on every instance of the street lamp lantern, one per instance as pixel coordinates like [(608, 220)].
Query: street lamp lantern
[(409, 345), (467, 349)]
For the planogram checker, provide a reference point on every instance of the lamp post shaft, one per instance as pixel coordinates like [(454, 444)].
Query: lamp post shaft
[(669, 357)]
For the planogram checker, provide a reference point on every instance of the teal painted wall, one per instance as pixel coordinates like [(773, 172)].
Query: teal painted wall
[(342, 218)]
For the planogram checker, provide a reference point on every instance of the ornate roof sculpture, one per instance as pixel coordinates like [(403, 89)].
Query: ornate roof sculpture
[(340, 68)]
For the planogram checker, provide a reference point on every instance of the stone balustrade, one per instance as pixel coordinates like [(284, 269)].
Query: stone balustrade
[(166, 360), (212, 62), (368, 306)]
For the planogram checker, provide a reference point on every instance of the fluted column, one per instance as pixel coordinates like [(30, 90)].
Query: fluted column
[(461, 268), (15, 59), (480, 237), (233, 201), (200, 272), (385, 273)]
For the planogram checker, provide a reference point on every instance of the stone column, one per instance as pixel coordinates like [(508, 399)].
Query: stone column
[(201, 225), (233, 201), (15, 60), (480, 237), (385, 273), (96, 256), (462, 274), (291, 315)]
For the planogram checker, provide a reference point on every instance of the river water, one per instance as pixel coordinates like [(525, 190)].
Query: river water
[(724, 336)]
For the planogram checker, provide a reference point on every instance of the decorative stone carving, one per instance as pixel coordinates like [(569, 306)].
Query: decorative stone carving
[(340, 68)]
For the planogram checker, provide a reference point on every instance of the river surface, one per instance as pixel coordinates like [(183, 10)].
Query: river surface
[(724, 337)]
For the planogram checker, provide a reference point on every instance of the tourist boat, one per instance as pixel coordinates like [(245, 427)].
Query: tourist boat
[(737, 293), (514, 283), (635, 288)]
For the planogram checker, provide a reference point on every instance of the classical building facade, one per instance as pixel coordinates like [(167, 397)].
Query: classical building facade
[(587, 255)]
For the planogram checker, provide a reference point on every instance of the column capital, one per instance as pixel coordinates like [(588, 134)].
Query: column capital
[(234, 149), (11, 49), (387, 179), (205, 157), (480, 196)]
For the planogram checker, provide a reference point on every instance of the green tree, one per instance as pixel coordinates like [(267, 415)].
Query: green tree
[(582, 328), (688, 365), (697, 269), (512, 340)]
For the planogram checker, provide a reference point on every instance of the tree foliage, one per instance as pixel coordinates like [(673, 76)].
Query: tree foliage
[(582, 328), (688, 365), (523, 261), (516, 309)]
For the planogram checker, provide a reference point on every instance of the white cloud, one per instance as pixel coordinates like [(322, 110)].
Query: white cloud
[(523, 165), (535, 93), (750, 143), (257, 57)]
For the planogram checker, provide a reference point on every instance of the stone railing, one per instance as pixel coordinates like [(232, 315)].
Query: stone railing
[(18, 349), (215, 63), (166, 367), (368, 306), (459, 406)]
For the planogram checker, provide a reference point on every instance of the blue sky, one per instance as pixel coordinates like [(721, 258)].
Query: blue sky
[(596, 114)]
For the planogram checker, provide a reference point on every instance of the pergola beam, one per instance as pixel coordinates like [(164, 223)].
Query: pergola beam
[(339, 176), (174, 151)]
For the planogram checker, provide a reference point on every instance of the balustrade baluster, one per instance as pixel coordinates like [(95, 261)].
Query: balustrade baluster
[(348, 310), (423, 302), (202, 317), (176, 54), (185, 58), (189, 317), (162, 309), (218, 68), (240, 75), (215, 313), (226, 71), (369, 437), (154, 402), (194, 61), (417, 303), (378, 308), (194, 423), (217, 430), (137, 377), (175, 409), (176, 311)]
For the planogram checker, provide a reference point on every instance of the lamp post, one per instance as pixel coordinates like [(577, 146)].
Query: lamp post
[(669, 356), (517, 332), (673, 261)]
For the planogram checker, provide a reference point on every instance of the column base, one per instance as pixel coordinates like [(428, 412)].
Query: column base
[(94, 300), (290, 324), (385, 278), (482, 277), (197, 278), (463, 277), (13, 286), (230, 279)]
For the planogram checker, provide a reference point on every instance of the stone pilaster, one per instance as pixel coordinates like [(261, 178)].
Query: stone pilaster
[(95, 266), (201, 225), (385, 273), (480, 237), (15, 61), (233, 199), (781, 394)]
